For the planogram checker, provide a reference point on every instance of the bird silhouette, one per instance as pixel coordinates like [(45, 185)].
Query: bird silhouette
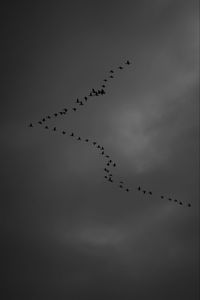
[(85, 98), (43, 119), (107, 156), (94, 143), (63, 132), (72, 134), (65, 109), (74, 108), (60, 112), (55, 114), (46, 127), (180, 203), (54, 129), (102, 148), (139, 188), (175, 200), (77, 101), (128, 62), (144, 191), (114, 165), (48, 117), (170, 199), (121, 186), (79, 138), (40, 122), (102, 152), (105, 80), (162, 197), (111, 76), (81, 103), (127, 190), (103, 86), (189, 205), (30, 125), (120, 68), (150, 193), (87, 140), (110, 179), (111, 71)]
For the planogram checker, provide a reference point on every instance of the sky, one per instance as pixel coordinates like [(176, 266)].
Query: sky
[(67, 233)]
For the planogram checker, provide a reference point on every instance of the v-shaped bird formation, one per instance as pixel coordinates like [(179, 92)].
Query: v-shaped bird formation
[(109, 162)]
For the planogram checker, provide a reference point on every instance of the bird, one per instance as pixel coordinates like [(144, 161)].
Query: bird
[(102, 92), (105, 176), (128, 62), (55, 114), (40, 122), (98, 147), (175, 200), (63, 132), (108, 164), (94, 143), (121, 186), (107, 156), (150, 193), (180, 203), (102, 152), (105, 80), (144, 191), (110, 180), (110, 160), (81, 103), (93, 90), (30, 125), (169, 199), (77, 101), (46, 127), (85, 98), (114, 165), (54, 129), (74, 108), (139, 188), (106, 170), (79, 138), (60, 112), (102, 148), (111, 76), (120, 68), (43, 119), (111, 71), (189, 205), (87, 140), (162, 197), (127, 190), (103, 86), (72, 134), (65, 109), (48, 117), (90, 94)]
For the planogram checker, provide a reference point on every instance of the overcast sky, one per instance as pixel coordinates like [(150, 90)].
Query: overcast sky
[(67, 232)]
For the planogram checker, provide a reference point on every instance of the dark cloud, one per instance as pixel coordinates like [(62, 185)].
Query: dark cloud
[(68, 234)]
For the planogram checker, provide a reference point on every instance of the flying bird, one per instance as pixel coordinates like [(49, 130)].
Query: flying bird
[(40, 122), (54, 129), (30, 125), (79, 138), (120, 68), (111, 71), (48, 117), (46, 127), (189, 205), (127, 190), (63, 132), (77, 101), (43, 119), (72, 134), (150, 193), (81, 103), (55, 114), (144, 191), (128, 62), (162, 197), (111, 76), (65, 109), (105, 80), (74, 108), (85, 98), (87, 140), (114, 165)]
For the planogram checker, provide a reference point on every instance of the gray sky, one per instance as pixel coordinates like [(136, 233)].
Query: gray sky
[(67, 233)]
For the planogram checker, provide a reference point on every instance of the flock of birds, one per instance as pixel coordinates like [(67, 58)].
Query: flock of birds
[(109, 163)]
